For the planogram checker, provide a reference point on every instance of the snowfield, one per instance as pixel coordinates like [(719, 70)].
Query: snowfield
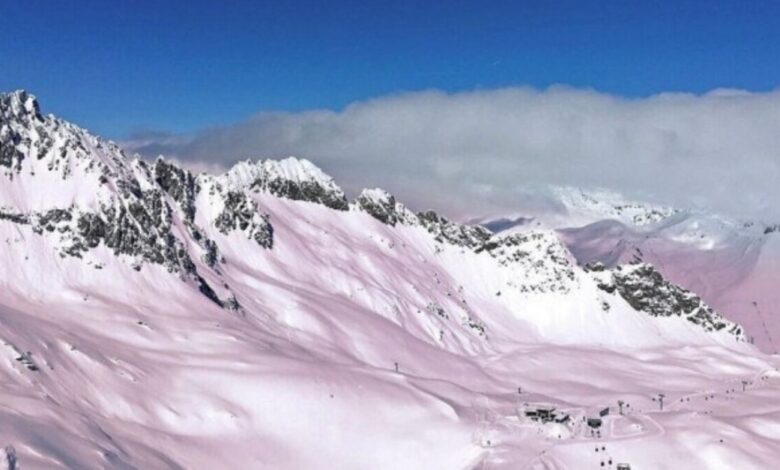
[(150, 318)]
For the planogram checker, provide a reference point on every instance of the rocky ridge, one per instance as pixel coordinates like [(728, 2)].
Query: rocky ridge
[(147, 213), (645, 289)]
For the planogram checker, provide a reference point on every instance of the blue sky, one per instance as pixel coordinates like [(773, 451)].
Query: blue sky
[(119, 67)]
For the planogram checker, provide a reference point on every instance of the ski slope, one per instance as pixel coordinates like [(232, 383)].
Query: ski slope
[(151, 318)]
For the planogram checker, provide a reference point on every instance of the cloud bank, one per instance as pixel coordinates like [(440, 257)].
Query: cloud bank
[(488, 152)]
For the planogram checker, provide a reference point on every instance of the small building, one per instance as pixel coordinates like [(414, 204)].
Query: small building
[(623, 466), (595, 423), (546, 414), (604, 412), (540, 414)]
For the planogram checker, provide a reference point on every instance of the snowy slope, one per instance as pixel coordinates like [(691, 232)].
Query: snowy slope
[(151, 318), (733, 265)]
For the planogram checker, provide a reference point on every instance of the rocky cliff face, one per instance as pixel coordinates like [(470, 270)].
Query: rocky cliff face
[(647, 291), (144, 213), (381, 205), (241, 213)]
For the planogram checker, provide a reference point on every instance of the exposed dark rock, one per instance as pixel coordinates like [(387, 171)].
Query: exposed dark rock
[(443, 230), (310, 191), (647, 291), (54, 219), (540, 255), (180, 184), (211, 254), (476, 325), (27, 360), (435, 309), (14, 217), (231, 303), (21, 110), (241, 213), (379, 204), (206, 290), (594, 267)]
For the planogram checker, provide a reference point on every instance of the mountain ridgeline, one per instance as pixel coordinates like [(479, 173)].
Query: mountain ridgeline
[(83, 194)]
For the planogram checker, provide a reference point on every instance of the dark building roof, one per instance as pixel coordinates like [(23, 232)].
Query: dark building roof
[(594, 422)]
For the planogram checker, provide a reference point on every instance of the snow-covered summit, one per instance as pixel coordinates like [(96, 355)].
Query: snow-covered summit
[(590, 206), (293, 178), (54, 163), (246, 172), (377, 195), (382, 205), (567, 206), (19, 104)]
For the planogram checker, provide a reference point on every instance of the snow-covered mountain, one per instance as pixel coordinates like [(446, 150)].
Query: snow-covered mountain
[(152, 318), (733, 265), (576, 207)]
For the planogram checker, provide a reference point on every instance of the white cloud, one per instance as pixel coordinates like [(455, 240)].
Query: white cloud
[(489, 151)]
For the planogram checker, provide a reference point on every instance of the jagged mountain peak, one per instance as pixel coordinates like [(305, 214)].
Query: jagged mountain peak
[(36, 142), (292, 178), (19, 104), (382, 205), (378, 195), (54, 163), (54, 150), (292, 168)]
